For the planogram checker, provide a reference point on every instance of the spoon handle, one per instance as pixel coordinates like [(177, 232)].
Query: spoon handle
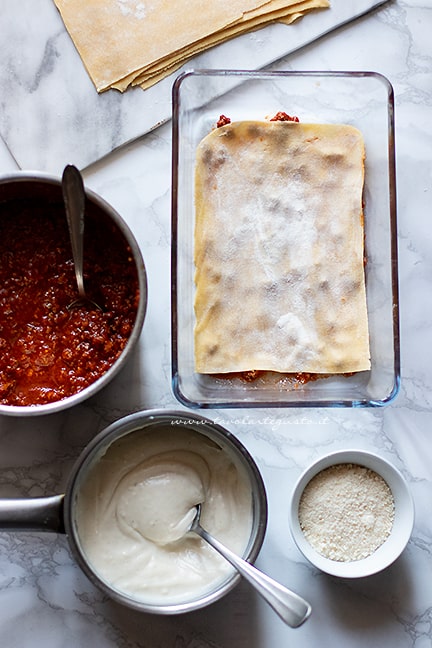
[(291, 608), (74, 199)]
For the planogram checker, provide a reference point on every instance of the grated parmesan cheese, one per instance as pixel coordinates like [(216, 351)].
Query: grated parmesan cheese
[(346, 512)]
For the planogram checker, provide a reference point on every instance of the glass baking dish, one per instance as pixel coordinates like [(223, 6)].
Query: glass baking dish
[(362, 99)]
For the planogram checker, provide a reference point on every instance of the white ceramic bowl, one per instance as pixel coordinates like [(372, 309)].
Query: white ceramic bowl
[(402, 524)]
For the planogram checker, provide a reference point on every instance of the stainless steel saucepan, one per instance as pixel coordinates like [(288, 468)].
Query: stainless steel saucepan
[(45, 190), (57, 513)]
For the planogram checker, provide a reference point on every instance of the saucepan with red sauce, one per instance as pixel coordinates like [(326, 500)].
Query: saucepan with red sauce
[(53, 356)]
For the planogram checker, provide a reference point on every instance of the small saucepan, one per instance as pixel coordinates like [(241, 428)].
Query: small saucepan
[(62, 513)]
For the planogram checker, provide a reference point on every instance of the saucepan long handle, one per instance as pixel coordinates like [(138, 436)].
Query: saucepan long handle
[(32, 514)]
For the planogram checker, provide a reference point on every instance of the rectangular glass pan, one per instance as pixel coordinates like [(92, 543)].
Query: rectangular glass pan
[(362, 99)]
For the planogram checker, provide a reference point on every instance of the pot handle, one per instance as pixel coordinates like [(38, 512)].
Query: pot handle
[(32, 514)]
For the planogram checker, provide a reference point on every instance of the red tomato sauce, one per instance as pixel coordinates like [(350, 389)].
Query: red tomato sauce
[(47, 351), (283, 116)]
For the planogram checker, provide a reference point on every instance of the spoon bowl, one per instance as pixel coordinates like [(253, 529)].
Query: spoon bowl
[(290, 607)]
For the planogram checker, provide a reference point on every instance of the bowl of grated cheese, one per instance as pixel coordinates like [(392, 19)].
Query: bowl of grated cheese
[(351, 513)]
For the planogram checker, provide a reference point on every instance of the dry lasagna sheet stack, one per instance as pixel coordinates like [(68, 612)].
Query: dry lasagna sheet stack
[(125, 43)]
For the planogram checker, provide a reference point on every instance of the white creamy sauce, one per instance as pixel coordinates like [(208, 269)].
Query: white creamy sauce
[(135, 506)]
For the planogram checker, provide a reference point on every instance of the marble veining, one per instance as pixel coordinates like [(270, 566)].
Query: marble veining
[(51, 113), (45, 599)]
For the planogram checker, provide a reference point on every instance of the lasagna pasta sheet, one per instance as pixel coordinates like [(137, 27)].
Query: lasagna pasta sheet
[(279, 249), (125, 43)]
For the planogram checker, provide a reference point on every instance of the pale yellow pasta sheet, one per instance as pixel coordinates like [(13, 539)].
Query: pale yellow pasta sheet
[(279, 249)]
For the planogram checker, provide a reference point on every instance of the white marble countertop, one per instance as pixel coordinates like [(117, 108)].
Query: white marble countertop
[(46, 601)]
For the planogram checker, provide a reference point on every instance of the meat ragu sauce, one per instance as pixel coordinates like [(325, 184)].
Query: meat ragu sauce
[(47, 351)]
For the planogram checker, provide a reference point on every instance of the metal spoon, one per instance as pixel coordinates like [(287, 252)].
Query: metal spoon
[(74, 201), (291, 608)]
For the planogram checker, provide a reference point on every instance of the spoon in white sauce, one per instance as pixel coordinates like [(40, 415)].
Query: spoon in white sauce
[(291, 608)]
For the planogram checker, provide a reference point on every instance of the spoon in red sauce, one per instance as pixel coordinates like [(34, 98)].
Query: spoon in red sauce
[(74, 200)]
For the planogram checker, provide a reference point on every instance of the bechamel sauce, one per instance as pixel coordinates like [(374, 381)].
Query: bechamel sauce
[(137, 502)]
